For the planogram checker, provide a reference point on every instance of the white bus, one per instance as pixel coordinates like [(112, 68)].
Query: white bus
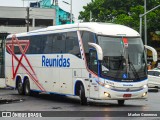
[(90, 60)]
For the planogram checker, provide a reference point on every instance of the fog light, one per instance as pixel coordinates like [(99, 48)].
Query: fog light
[(107, 94), (144, 94)]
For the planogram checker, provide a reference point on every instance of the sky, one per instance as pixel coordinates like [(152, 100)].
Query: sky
[(77, 5)]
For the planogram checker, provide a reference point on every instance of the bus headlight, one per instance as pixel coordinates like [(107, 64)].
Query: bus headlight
[(104, 85), (144, 94), (145, 86)]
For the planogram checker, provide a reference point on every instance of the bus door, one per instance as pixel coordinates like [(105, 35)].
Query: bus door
[(93, 66)]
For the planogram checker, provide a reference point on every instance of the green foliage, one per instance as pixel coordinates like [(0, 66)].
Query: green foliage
[(124, 12)]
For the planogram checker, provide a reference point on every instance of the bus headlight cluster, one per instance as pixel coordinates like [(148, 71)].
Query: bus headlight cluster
[(101, 83), (104, 85)]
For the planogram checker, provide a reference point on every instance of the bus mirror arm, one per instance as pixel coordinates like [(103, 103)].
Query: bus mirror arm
[(98, 49), (154, 52)]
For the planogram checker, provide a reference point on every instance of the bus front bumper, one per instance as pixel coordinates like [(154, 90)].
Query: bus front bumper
[(122, 95)]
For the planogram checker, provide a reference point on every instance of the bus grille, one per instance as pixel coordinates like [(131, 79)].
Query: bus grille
[(127, 89)]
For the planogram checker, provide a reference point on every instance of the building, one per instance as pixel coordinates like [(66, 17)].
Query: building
[(14, 19), (62, 17)]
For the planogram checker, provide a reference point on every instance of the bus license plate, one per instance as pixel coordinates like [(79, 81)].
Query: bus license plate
[(127, 95)]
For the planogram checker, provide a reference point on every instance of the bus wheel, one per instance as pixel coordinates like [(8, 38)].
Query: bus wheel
[(120, 102), (83, 99), (20, 87), (26, 87)]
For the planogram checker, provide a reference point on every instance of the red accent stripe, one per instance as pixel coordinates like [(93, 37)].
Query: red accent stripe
[(10, 47), (85, 56)]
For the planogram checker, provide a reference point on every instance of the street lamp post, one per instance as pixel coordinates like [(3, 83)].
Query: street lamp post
[(70, 9), (71, 12), (141, 15), (145, 24)]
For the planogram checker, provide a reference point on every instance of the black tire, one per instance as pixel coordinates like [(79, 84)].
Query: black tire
[(121, 102), (27, 90), (20, 87), (83, 99)]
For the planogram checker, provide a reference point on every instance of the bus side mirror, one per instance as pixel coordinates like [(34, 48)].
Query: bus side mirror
[(98, 49), (154, 52)]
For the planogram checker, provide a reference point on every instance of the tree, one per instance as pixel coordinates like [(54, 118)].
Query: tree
[(124, 12)]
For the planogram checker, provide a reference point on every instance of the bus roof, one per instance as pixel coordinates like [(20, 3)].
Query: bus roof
[(98, 28)]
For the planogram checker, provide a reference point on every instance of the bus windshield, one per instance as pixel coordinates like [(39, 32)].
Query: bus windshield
[(121, 63)]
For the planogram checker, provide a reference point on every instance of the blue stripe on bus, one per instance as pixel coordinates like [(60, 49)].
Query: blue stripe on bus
[(53, 93)]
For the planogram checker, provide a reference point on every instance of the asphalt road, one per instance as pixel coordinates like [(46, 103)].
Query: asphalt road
[(11, 101)]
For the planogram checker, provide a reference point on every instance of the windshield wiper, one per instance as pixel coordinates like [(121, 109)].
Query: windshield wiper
[(119, 68), (133, 69)]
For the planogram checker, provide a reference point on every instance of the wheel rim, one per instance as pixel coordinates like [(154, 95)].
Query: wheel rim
[(20, 86), (83, 99), (80, 93), (27, 89)]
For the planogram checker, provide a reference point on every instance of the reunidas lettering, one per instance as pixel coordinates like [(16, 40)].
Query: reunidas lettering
[(55, 62)]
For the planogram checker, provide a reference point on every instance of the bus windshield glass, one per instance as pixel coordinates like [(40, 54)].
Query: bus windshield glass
[(122, 63)]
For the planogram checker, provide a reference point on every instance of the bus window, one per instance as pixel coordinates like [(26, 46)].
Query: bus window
[(49, 46), (60, 42), (36, 44), (55, 43), (72, 45), (93, 62), (87, 37)]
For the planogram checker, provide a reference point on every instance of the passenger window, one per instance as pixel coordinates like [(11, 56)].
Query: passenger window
[(55, 43), (36, 44), (72, 45), (60, 43), (16, 48), (52, 43)]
